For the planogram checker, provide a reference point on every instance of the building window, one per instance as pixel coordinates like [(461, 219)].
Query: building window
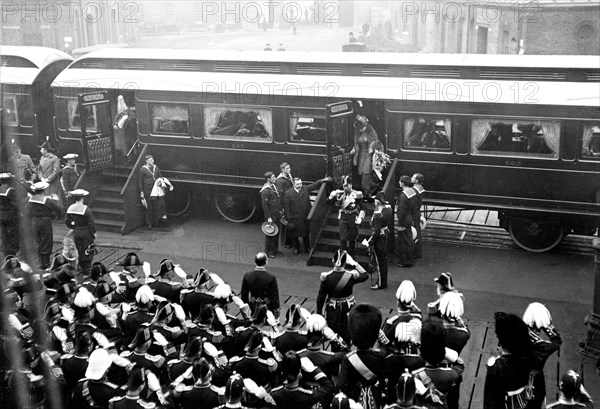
[(170, 119), (428, 133), (240, 124), (515, 137), (75, 117), (9, 110), (591, 141), (308, 126)]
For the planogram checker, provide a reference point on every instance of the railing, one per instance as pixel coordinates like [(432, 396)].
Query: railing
[(389, 188), (318, 217), (133, 210)]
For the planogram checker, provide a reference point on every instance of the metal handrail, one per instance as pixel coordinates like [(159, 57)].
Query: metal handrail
[(134, 170), (389, 186)]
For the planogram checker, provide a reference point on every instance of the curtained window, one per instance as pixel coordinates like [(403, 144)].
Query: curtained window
[(75, 117), (169, 119), (238, 124), (428, 133), (590, 146), (308, 126), (515, 137)]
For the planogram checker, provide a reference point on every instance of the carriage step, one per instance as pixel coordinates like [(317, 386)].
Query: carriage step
[(109, 225), (109, 214), (106, 203)]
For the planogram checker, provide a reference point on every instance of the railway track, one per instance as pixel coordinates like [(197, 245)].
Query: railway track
[(442, 231)]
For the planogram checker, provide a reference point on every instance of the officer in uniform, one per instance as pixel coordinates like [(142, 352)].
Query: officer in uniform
[(252, 366), (327, 361), (417, 180), (381, 223), (406, 294), (335, 292), (291, 395), (293, 339), (192, 351), (507, 379), (351, 213), (283, 183), (538, 319), (166, 338), (75, 365), (79, 218), (133, 318), (94, 391), (41, 209), (69, 177), (445, 283), (406, 205), (9, 216), (168, 284), (140, 345), (271, 204), (193, 299), (131, 278), (202, 394), (405, 392), (131, 400)]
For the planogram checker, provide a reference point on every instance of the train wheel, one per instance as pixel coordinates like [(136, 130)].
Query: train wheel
[(236, 207), (536, 236), (178, 202)]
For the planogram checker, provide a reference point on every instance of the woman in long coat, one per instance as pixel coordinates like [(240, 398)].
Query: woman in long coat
[(364, 136)]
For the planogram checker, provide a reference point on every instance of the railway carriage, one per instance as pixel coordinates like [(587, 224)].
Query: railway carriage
[(516, 134)]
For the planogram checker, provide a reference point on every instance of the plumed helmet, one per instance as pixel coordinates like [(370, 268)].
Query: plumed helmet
[(433, 340), (570, 384), (406, 292), (144, 295), (409, 331), (316, 323), (451, 305), (364, 321), (537, 316), (234, 389), (84, 299), (512, 333), (222, 292)]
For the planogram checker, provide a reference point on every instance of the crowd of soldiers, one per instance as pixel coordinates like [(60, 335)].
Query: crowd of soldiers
[(137, 338)]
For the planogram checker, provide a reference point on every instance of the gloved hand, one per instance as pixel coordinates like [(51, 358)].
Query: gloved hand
[(253, 388), (146, 269), (101, 340), (152, 381), (307, 365), (221, 316), (160, 339), (316, 323), (179, 313), (237, 301), (179, 271), (267, 346), (271, 320)]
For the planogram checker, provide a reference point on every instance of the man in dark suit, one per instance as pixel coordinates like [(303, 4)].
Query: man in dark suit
[(260, 285), (146, 178), (271, 204), (296, 207)]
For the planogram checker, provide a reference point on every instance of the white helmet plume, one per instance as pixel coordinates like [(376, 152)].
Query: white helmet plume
[(406, 292), (537, 316), (451, 305)]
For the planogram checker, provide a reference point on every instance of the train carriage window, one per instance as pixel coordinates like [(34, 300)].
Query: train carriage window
[(515, 137), (238, 124), (170, 119), (10, 114), (428, 132), (591, 141), (308, 126), (75, 117)]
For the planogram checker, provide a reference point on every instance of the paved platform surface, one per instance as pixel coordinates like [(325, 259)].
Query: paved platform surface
[(490, 279)]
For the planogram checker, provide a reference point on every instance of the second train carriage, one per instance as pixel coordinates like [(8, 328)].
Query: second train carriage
[(524, 148)]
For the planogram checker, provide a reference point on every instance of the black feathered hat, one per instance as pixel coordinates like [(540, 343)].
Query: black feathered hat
[(202, 277), (512, 333), (364, 321), (433, 340)]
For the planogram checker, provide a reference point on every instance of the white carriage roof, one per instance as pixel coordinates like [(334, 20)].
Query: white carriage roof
[(475, 60), (41, 57), (411, 89)]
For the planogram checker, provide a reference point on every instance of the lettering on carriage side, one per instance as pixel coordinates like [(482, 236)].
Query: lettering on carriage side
[(514, 163)]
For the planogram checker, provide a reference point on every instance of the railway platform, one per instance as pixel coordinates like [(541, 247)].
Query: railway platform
[(500, 278)]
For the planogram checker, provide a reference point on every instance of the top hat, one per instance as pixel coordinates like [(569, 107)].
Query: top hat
[(70, 156), (39, 186), (445, 280), (270, 229), (99, 362), (130, 259)]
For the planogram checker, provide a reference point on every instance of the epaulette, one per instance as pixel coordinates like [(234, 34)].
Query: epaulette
[(325, 274), (269, 361), (116, 398), (173, 330), (492, 360), (306, 391), (241, 328), (173, 362), (409, 195), (66, 356), (126, 354), (111, 385), (146, 405), (186, 291), (235, 359), (154, 358), (216, 389)]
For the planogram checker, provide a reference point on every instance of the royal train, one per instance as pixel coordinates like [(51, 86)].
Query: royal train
[(516, 134)]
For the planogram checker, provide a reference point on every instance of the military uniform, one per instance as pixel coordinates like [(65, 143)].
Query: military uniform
[(350, 204), (204, 396), (420, 191), (154, 363), (129, 402), (406, 204), (282, 184), (444, 378), (335, 293), (389, 326), (79, 218), (9, 220), (381, 223), (192, 301), (146, 178), (166, 288), (74, 368), (328, 362), (300, 398), (407, 357), (132, 320), (360, 371), (505, 382), (291, 340), (41, 211), (271, 204), (251, 366), (542, 349), (457, 335), (68, 180), (90, 394)]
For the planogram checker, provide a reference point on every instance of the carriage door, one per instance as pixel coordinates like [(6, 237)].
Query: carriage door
[(96, 130), (340, 140)]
